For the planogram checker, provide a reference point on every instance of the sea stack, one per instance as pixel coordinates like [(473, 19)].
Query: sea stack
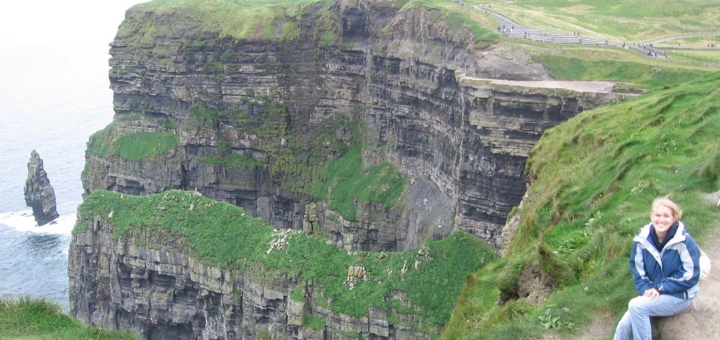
[(39, 194)]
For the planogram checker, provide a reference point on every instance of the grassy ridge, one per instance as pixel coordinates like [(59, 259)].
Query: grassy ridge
[(36, 319), (594, 178), (221, 234)]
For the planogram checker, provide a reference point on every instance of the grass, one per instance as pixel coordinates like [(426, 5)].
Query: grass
[(299, 162), (132, 147), (695, 56), (482, 26), (345, 181), (100, 143), (27, 318), (700, 41), (629, 21), (251, 20), (223, 235), (316, 323), (144, 145), (568, 62), (593, 179), (644, 75)]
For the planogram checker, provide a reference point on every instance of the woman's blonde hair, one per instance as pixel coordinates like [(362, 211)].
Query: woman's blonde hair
[(666, 202)]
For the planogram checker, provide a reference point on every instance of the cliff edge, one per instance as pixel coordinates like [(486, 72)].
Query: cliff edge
[(181, 266), (260, 115)]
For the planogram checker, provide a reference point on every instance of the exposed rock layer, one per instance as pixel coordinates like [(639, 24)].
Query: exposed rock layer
[(39, 194), (162, 294), (466, 137)]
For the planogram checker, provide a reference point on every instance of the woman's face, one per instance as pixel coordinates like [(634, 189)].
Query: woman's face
[(662, 218)]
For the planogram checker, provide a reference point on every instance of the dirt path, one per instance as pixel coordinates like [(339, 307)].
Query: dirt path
[(700, 322)]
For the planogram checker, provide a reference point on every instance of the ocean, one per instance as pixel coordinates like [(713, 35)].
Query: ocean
[(54, 93)]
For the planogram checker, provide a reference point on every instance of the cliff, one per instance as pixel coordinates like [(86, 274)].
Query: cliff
[(259, 115), (177, 265), (39, 194)]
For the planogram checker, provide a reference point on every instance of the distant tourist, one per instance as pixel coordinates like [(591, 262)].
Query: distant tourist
[(667, 287)]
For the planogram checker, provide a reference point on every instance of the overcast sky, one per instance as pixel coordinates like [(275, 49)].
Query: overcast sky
[(60, 22)]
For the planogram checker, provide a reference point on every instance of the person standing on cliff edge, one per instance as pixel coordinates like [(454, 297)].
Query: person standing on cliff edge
[(666, 287)]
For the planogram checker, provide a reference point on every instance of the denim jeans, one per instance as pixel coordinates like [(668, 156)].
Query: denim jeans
[(635, 324)]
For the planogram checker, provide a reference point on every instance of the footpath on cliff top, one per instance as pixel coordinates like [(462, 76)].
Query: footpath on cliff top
[(698, 321), (512, 29)]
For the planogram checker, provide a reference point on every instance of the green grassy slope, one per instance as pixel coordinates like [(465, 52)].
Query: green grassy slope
[(223, 235), (593, 179), (625, 20), (36, 319)]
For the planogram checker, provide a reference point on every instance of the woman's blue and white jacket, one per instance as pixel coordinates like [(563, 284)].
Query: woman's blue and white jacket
[(674, 271)]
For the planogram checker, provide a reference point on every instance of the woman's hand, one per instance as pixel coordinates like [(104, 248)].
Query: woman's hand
[(652, 293)]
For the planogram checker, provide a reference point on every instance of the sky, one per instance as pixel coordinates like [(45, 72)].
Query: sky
[(49, 23)]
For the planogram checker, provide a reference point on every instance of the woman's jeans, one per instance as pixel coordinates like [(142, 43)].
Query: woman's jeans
[(635, 324)]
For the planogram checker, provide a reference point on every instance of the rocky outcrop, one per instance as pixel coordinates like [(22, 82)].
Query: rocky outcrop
[(39, 194), (419, 92), (154, 281)]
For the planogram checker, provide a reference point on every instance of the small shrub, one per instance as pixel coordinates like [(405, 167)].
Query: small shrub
[(315, 322)]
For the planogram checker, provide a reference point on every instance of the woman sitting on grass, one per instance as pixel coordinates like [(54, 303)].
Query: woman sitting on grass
[(665, 263)]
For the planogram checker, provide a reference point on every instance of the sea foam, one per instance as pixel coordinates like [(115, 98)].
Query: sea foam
[(23, 221)]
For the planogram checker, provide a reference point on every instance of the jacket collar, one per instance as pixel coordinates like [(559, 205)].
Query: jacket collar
[(644, 239)]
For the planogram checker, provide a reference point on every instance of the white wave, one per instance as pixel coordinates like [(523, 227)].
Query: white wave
[(23, 221)]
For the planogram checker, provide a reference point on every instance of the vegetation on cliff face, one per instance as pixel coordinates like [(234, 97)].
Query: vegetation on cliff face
[(134, 146), (300, 161), (593, 179), (37, 319), (223, 235), (346, 182), (482, 26)]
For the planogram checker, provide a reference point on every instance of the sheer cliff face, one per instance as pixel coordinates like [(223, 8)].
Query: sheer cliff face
[(408, 82), (162, 294)]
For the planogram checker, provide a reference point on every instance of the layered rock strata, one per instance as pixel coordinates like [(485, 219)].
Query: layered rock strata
[(39, 194), (161, 294), (424, 99), (138, 273)]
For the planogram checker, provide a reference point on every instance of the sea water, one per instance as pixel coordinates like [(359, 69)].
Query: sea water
[(51, 100)]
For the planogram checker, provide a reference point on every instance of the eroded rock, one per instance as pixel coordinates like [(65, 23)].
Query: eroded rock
[(39, 194)]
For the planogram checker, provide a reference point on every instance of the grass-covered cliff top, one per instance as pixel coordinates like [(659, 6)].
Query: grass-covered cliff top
[(593, 180), (276, 20), (38, 319), (628, 20), (223, 235), (194, 20)]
